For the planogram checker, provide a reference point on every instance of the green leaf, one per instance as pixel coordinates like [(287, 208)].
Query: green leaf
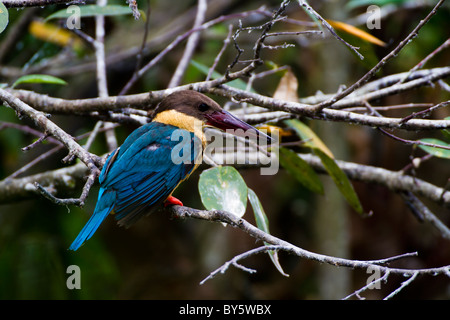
[(307, 135), (326, 156), (4, 17), (92, 11), (39, 78), (223, 188), (301, 170), (446, 132), (237, 83), (365, 3), (437, 152), (263, 224), (341, 180)]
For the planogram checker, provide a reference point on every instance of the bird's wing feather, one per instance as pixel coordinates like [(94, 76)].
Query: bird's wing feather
[(143, 173), (137, 176)]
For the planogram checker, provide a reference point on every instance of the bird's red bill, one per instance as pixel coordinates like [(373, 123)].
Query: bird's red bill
[(224, 120)]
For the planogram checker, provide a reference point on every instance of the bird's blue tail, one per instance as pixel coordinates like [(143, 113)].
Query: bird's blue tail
[(105, 203)]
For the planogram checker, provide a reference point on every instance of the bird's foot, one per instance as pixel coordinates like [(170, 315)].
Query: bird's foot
[(171, 201)]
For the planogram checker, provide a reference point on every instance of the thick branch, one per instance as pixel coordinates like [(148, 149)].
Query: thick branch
[(326, 114), (56, 181), (394, 180), (374, 90), (37, 3), (41, 120)]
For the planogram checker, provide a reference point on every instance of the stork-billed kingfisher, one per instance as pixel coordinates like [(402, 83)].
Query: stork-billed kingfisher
[(141, 175)]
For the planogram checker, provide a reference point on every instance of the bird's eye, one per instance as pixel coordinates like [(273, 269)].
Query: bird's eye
[(202, 107)]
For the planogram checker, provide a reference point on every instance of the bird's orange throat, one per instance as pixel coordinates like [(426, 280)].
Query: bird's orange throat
[(182, 121)]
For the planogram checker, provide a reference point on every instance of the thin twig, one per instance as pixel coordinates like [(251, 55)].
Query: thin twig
[(49, 127), (232, 220), (425, 112), (370, 285), (380, 64), (236, 259), (403, 285), (183, 37), (414, 142), (420, 65), (219, 55), (191, 44), (312, 12), (102, 84)]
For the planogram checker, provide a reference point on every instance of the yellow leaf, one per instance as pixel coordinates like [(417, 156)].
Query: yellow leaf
[(54, 34), (356, 32), (275, 130), (287, 88)]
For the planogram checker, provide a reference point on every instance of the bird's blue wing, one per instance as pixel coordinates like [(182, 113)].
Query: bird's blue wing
[(140, 175), (151, 174)]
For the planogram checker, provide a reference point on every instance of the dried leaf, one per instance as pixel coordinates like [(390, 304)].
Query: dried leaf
[(287, 88)]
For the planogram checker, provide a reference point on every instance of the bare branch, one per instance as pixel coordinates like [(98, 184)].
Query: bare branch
[(380, 64), (190, 45), (312, 12), (394, 180), (403, 285), (61, 180), (229, 218), (367, 93), (37, 3), (326, 114), (49, 127), (41, 120)]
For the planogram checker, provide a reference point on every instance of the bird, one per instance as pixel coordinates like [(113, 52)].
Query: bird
[(141, 175)]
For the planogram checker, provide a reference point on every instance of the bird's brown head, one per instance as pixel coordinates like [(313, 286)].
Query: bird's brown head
[(183, 108)]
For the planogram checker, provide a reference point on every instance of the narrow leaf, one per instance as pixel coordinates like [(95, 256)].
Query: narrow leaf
[(310, 138), (263, 224), (446, 132), (354, 31), (223, 188), (341, 180), (39, 78), (437, 152), (52, 33), (365, 3), (275, 130), (301, 170), (93, 10)]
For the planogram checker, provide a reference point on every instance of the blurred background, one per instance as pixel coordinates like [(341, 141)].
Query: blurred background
[(165, 258)]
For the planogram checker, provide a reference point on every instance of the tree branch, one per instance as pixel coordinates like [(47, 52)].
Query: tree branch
[(234, 221), (380, 64), (190, 45), (56, 181), (37, 3), (41, 120), (373, 90)]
